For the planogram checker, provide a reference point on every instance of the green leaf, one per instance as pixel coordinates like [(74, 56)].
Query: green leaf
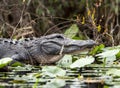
[(65, 61), (55, 83), (108, 53), (15, 64), (72, 31), (25, 68), (39, 11), (5, 61), (114, 72), (53, 71), (36, 83), (82, 62), (97, 49), (118, 55), (109, 56), (109, 60)]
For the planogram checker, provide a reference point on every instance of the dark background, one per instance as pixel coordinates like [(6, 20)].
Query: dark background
[(96, 19)]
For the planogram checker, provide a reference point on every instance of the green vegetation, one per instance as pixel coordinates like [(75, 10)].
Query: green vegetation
[(101, 61), (77, 19), (4, 62)]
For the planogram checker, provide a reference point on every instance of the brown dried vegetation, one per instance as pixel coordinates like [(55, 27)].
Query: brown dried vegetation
[(96, 19)]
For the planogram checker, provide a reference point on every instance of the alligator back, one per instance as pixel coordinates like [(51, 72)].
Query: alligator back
[(13, 49)]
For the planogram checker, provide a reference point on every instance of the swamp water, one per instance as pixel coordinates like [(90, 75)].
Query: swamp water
[(92, 76)]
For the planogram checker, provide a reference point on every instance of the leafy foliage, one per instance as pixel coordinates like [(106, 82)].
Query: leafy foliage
[(114, 72), (80, 19), (97, 49), (53, 71), (4, 62), (93, 18), (82, 62), (72, 31), (68, 69), (109, 55), (66, 61), (55, 83)]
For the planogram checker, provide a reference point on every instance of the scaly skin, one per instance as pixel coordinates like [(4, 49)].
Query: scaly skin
[(44, 50)]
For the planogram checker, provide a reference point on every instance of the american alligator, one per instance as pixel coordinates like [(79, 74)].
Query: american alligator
[(43, 50)]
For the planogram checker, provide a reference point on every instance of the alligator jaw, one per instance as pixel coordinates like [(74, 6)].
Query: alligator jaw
[(69, 47), (73, 46), (59, 44)]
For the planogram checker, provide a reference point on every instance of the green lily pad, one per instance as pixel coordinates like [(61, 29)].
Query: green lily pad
[(5, 61), (53, 71), (82, 62), (65, 61), (108, 53), (55, 83), (114, 72)]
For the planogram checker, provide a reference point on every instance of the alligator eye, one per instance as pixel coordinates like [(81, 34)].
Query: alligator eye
[(60, 37)]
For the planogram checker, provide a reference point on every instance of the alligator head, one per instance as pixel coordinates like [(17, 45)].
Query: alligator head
[(53, 47)]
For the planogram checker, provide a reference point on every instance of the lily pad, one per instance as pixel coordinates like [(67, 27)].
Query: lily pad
[(65, 61), (114, 72), (55, 83), (53, 71), (108, 53), (82, 62), (5, 61)]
